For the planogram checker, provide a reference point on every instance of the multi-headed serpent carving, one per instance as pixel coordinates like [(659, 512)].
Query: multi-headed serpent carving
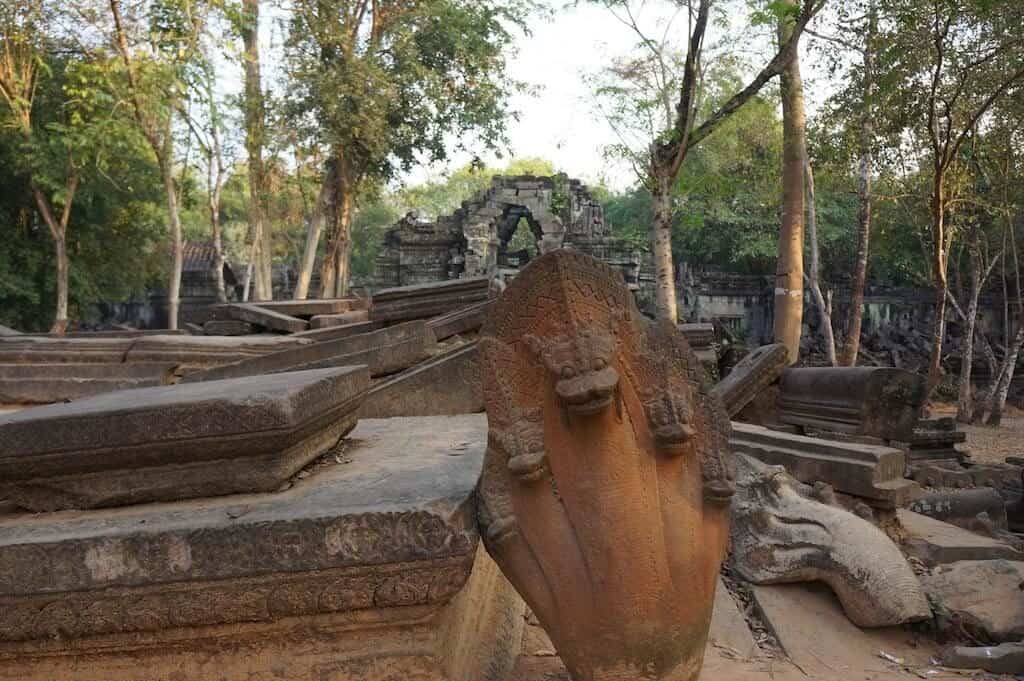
[(605, 491)]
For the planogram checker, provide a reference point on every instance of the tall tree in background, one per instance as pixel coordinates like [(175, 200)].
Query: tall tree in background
[(681, 131), (254, 109), (953, 61), (62, 117), (382, 86), (155, 90), (789, 268)]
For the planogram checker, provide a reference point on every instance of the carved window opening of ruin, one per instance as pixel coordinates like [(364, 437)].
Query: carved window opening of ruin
[(519, 236)]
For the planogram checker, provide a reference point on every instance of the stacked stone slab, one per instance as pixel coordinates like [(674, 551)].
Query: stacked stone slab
[(46, 383), (872, 472), (474, 241), (422, 301), (176, 442), (386, 351), (446, 384), (467, 319), (362, 570)]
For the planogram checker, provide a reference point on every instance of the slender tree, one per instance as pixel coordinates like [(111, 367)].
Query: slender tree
[(789, 268), (954, 62), (682, 131), (155, 91)]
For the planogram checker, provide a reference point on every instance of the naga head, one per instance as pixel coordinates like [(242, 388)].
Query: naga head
[(586, 382)]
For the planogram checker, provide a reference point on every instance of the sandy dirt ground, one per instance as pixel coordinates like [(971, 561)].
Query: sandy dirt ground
[(990, 445)]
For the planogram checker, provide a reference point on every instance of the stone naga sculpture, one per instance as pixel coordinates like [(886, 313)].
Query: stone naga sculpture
[(607, 481), (780, 535)]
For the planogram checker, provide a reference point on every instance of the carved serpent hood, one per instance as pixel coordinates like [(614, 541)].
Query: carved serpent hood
[(606, 486)]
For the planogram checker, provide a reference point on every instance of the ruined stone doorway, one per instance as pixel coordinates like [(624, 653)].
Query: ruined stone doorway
[(519, 237)]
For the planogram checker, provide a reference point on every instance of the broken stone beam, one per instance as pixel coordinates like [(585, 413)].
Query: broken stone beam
[(336, 332), (463, 320), (369, 570), (322, 321), (873, 401), (446, 384), (872, 472), (750, 376), (8, 331), (44, 350), (698, 335), (428, 300), (46, 383), (176, 442), (268, 319), (115, 333), (386, 351), (315, 306), (199, 352)]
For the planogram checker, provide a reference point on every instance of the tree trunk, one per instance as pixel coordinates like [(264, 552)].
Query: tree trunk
[(789, 268), (939, 261), (59, 232), (860, 265), (1002, 388), (218, 244), (325, 204), (334, 269), (665, 291), (965, 399), (824, 313), (177, 257), (259, 233)]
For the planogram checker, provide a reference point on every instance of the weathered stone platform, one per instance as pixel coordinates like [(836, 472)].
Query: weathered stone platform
[(176, 442), (367, 570)]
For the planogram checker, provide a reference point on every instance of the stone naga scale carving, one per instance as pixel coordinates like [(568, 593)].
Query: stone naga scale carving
[(607, 481)]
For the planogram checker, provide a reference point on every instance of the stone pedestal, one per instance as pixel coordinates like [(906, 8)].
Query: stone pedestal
[(368, 569)]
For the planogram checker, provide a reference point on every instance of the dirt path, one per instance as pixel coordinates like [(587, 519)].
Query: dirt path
[(991, 445)]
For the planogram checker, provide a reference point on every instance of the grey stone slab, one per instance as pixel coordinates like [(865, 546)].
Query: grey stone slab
[(463, 320), (698, 335), (984, 595), (729, 629), (46, 383), (935, 542), (751, 375), (394, 525), (46, 350), (208, 351), (8, 331), (269, 319), (869, 471), (323, 321), (314, 306), (446, 384), (385, 351), (814, 632), (175, 442), (336, 332)]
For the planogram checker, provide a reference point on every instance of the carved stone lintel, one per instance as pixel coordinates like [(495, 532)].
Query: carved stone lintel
[(605, 489), (751, 375)]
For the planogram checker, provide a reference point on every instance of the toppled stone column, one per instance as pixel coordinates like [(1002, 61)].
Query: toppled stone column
[(874, 401), (780, 536), (606, 486)]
